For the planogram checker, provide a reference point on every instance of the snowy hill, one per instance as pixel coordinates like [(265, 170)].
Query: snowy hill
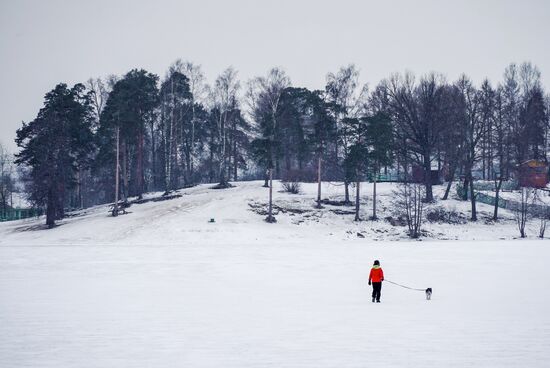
[(238, 214), (162, 287)]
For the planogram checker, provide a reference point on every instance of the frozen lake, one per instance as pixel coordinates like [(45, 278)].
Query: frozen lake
[(293, 304)]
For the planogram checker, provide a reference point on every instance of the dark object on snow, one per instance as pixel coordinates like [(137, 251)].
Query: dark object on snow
[(271, 219), (428, 293), (336, 203), (212, 220), (223, 186), (342, 212), (359, 235), (164, 197)]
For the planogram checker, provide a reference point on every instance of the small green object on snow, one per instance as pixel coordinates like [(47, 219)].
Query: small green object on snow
[(212, 220)]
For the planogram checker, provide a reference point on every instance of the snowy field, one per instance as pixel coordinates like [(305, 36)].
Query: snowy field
[(162, 287)]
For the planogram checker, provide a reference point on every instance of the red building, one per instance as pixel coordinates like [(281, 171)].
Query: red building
[(435, 174), (533, 174)]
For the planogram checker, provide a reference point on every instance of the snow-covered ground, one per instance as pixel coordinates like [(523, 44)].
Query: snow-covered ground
[(184, 220), (162, 287)]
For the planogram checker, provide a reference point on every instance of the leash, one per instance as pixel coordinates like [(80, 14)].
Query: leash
[(403, 286)]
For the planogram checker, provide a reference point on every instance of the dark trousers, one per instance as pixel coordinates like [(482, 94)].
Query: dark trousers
[(376, 288)]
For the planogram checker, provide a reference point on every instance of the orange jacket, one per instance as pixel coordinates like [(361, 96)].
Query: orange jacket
[(376, 274)]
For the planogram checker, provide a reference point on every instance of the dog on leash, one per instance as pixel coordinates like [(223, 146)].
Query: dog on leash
[(428, 293)]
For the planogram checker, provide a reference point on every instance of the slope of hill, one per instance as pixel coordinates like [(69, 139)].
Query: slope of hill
[(239, 213)]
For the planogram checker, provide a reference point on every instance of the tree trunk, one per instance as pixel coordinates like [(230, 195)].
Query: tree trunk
[(449, 184), (192, 147), (472, 198), (235, 159), (266, 179), (117, 168), (483, 161), (319, 182), (223, 148), (465, 188), (79, 187), (357, 202), (346, 192), (124, 171), (50, 209), (497, 198), (211, 163), (171, 143), (139, 169), (374, 217), (428, 178), (153, 158), (270, 217)]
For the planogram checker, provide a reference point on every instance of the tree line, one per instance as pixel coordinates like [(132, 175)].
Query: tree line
[(118, 137)]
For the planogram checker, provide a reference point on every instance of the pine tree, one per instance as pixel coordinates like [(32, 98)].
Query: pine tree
[(356, 161), (54, 145), (130, 107)]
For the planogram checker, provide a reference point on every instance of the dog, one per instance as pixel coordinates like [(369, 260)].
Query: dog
[(428, 293)]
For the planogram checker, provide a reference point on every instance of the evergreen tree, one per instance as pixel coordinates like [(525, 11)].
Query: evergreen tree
[(130, 107), (238, 141), (322, 130), (54, 145), (357, 157)]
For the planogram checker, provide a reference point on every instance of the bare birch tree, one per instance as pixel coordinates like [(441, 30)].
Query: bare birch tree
[(224, 98)]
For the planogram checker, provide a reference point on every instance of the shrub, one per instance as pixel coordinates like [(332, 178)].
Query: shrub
[(441, 214), (293, 187)]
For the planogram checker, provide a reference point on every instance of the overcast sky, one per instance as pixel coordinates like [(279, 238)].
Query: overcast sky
[(45, 42)]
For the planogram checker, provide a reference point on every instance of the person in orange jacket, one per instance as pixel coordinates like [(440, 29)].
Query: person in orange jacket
[(376, 277)]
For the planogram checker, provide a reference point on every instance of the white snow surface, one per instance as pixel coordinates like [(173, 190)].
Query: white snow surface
[(162, 287)]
